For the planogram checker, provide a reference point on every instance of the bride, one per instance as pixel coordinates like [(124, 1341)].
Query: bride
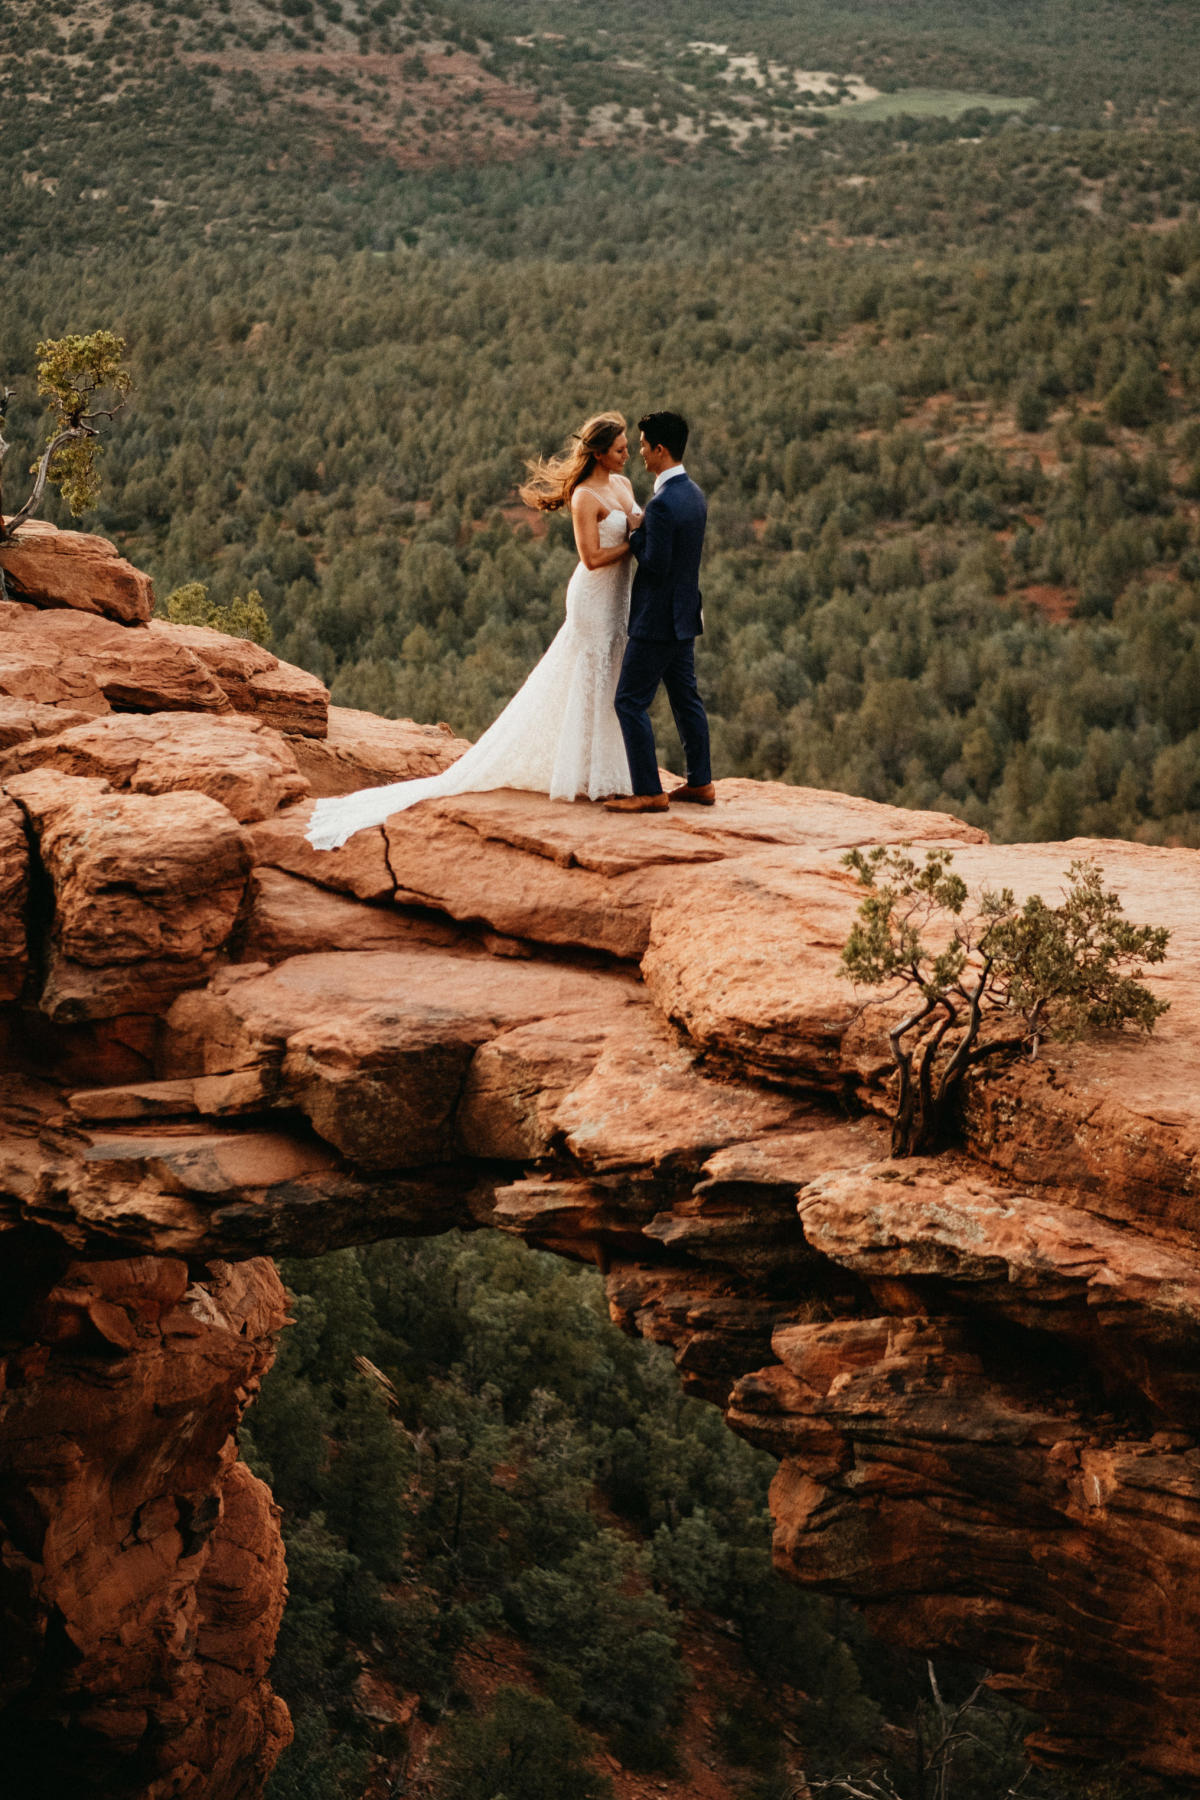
[(559, 734)]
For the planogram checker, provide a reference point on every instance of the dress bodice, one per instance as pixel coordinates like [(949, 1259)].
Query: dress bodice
[(611, 528), (598, 599)]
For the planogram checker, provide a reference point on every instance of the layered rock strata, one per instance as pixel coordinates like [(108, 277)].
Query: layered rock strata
[(624, 1040)]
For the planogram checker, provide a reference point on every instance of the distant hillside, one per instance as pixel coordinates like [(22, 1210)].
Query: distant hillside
[(145, 100)]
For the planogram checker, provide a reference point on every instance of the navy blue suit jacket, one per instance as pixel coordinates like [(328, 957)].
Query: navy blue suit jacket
[(665, 599)]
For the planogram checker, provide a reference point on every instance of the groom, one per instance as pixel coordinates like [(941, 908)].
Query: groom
[(664, 623)]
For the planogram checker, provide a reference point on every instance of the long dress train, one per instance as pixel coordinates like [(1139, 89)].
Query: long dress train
[(558, 735)]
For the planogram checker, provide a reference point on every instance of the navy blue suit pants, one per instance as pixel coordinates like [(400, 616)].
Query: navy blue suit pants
[(671, 663)]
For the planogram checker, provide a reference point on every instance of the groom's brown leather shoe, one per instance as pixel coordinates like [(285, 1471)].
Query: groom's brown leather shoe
[(699, 796), (638, 803)]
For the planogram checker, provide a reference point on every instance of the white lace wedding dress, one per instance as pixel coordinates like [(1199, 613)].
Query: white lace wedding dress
[(558, 735)]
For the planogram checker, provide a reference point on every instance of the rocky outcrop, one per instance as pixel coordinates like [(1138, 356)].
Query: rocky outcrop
[(250, 678), (624, 1040), (143, 1572), (145, 891), (14, 902), (236, 761), (52, 568)]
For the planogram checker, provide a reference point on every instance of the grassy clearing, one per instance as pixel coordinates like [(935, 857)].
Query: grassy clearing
[(924, 103)]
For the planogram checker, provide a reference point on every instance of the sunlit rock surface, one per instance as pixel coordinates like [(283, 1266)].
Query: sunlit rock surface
[(624, 1040)]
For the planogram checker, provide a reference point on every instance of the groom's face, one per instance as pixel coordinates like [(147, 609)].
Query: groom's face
[(653, 455)]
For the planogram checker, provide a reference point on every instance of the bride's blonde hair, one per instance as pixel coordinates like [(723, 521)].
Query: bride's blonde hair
[(553, 480)]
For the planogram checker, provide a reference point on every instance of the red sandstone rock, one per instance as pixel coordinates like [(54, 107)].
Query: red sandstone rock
[(373, 1046), (237, 761), (161, 1183), (209, 1162), (786, 1161), (578, 875), (1022, 1256), (252, 679), (562, 874), (37, 679), (714, 1330), (587, 1220), (84, 1052), (94, 664), (135, 1100), (47, 567), (941, 1330), (1116, 1118), (743, 1213), (896, 1434), (22, 722), (754, 814), (359, 867), (616, 1092), (241, 1727), (151, 1166), (647, 1104), (746, 961), (517, 1082), (541, 869), (360, 750), (138, 1520), (14, 895), (146, 891), (289, 917), (192, 1189)]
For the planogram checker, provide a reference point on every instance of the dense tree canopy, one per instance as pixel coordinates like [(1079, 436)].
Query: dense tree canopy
[(907, 595), (469, 1454)]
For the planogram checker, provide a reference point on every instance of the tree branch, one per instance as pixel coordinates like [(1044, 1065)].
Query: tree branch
[(903, 1062), (43, 469), (954, 1069), (929, 1107), (111, 413)]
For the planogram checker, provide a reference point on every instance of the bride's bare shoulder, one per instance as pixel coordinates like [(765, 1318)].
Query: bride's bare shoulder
[(585, 500)]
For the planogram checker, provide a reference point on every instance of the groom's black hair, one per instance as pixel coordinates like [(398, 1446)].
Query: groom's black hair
[(669, 429)]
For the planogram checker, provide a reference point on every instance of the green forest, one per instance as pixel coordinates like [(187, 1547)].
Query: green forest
[(515, 1529), (953, 553), (926, 281)]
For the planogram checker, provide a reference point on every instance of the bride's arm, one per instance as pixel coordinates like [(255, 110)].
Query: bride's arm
[(585, 516)]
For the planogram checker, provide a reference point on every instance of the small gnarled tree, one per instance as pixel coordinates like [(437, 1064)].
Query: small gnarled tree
[(84, 382), (988, 977)]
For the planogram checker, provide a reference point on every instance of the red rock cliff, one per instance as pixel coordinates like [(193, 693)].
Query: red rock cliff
[(622, 1039)]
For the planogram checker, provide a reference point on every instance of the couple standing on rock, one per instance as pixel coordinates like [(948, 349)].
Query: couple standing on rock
[(580, 725)]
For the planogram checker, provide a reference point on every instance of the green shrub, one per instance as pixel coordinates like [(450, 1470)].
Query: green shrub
[(522, 1748), (747, 1736), (1032, 409), (190, 605)]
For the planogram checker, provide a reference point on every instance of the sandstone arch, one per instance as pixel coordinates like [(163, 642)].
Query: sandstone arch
[(621, 1040)]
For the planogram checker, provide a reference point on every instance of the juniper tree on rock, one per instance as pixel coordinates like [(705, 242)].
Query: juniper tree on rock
[(84, 382), (988, 977)]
